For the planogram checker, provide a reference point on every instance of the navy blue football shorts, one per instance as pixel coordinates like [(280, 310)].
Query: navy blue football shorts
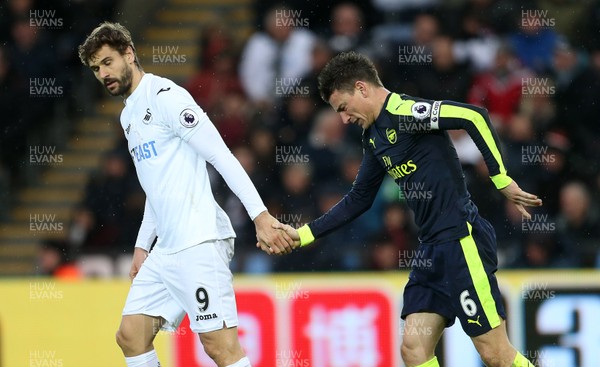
[(456, 280)]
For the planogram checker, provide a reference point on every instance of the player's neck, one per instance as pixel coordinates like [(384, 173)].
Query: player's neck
[(136, 78), (379, 97)]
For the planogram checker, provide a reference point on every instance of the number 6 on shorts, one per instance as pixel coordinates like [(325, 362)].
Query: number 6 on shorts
[(468, 305)]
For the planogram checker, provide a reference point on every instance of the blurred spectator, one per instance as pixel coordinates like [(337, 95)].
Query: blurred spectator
[(278, 56), (577, 90), (321, 54), (577, 224), (296, 119), (296, 185), (555, 171), (384, 254), (111, 211), (327, 145), (231, 119), (541, 250), (348, 29), (403, 74), (496, 16), (509, 234), (297, 207), (499, 90), (523, 152), (446, 77), (569, 18), (54, 260), (399, 11), (263, 145), (539, 107), (425, 29), (397, 225), (30, 50), (216, 87), (477, 44), (534, 41), (217, 76), (34, 62), (12, 10), (216, 80), (215, 41)]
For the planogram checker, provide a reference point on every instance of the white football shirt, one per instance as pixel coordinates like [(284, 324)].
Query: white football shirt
[(159, 120)]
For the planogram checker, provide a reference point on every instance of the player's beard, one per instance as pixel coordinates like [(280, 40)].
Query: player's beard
[(124, 83)]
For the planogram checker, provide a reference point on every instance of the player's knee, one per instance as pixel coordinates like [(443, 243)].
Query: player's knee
[(222, 351), (126, 341), (494, 356), (489, 358), (413, 353), (216, 351), (122, 340)]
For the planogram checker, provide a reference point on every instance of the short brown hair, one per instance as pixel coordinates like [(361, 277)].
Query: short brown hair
[(343, 71), (112, 34)]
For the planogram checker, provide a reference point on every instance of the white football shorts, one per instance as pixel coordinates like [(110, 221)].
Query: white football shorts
[(196, 281)]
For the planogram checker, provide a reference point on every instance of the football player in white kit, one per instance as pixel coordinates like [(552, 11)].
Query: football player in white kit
[(170, 140)]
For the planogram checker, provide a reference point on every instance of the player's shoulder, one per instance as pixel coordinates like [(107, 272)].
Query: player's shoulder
[(408, 98), (165, 94), (160, 86)]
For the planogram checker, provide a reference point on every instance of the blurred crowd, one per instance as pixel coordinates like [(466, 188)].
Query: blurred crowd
[(535, 66), (41, 82)]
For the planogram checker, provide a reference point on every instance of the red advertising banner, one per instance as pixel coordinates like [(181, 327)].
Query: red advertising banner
[(343, 329)]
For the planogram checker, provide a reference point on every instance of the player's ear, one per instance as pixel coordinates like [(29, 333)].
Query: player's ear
[(361, 87), (129, 54)]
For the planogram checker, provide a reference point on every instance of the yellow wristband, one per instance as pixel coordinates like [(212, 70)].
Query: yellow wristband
[(306, 236), (501, 180)]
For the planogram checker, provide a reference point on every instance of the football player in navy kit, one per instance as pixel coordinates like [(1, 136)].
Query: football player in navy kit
[(406, 138)]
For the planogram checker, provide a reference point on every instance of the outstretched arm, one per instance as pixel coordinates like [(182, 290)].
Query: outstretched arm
[(207, 142), (446, 115), (353, 204)]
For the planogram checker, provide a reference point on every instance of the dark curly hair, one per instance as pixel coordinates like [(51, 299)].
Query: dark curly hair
[(112, 34), (343, 71)]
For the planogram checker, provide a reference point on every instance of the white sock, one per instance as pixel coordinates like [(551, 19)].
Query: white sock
[(244, 362), (148, 359)]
